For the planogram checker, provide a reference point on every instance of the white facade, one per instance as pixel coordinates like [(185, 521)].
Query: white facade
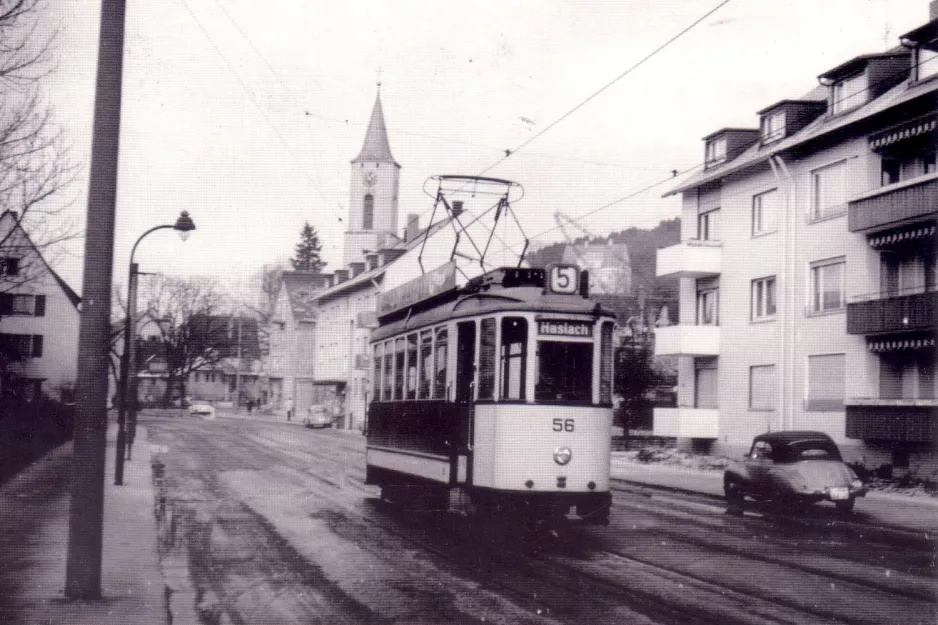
[(50, 328)]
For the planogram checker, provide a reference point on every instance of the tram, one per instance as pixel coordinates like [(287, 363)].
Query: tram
[(495, 396)]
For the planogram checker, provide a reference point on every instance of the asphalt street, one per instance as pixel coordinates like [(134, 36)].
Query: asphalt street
[(263, 522)]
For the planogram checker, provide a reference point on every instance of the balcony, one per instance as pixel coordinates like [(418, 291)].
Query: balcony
[(691, 259), (910, 420), (687, 422), (687, 340), (882, 313), (894, 204)]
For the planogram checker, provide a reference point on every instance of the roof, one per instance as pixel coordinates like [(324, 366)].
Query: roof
[(72, 296), (792, 436), (376, 148), (921, 34), (820, 127), (302, 287), (857, 63), (730, 129), (803, 101)]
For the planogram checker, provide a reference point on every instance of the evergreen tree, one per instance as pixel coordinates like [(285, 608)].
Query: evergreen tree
[(306, 255)]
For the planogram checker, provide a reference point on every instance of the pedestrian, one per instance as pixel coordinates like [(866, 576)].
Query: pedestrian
[(289, 408), (250, 406)]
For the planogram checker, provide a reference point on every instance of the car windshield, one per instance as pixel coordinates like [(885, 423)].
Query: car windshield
[(806, 450)]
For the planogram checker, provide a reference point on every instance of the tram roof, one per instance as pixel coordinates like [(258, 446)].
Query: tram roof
[(484, 295)]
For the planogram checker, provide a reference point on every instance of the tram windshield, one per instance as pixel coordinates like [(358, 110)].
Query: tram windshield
[(564, 372)]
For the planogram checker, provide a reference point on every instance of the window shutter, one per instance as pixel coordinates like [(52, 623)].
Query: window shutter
[(37, 346), (6, 304), (40, 306)]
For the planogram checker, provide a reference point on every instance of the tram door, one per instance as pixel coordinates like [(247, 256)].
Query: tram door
[(465, 383)]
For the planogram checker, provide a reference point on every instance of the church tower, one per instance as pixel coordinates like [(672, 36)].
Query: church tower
[(373, 194)]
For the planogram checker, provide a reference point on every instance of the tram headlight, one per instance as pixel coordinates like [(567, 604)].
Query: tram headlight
[(562, 455)]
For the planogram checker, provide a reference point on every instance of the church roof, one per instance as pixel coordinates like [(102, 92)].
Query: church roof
[(376, 148)]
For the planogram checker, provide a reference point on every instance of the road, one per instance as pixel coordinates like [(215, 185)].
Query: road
[(263, 522)]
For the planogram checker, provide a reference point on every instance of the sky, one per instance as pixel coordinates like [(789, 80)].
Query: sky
[(246, 113)]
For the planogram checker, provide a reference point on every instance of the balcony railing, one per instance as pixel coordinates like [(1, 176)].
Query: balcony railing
[(894, 204), (906, 310), (687, 422), (893, 422), (687, 340), (694, 258)]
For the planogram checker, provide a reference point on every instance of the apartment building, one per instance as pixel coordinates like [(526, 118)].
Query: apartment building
[(807, 268)]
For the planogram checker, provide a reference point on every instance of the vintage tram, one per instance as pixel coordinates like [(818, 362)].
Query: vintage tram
[(495, 396)]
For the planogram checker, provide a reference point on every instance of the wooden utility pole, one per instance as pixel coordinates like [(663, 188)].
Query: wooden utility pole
[(86, 512)]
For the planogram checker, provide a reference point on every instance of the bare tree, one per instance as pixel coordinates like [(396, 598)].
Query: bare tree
[(34, 162), (265, 285), (194, 331)]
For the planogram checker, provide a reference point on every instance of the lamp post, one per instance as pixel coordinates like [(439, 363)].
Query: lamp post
[(127, 401)]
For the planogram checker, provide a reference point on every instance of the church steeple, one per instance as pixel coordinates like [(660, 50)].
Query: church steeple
[(376, 148)]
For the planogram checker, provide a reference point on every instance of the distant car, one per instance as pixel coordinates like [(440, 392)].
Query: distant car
[(793, 468), (317, 417), (202, 409)]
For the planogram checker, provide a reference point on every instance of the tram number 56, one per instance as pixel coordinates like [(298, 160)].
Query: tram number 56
[(563, 425)]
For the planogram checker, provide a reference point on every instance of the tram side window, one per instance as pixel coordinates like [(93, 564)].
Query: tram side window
[(379, 357), (514, 356), (399, 368), (412, 366), (426, 364), (439, 381), (487, 359), (605, 364), (564, 372), (386, 388)]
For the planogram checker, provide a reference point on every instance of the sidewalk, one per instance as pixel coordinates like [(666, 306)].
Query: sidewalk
[(34, 508), (917, 515)]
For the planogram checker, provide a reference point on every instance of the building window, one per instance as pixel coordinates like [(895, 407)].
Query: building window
[(763, 299), (514, 357), (708, 307), (705, 383), (829, 191), (715, 152), (399, 369), (899, 168), (16, 304), (368, 212), (848, 93), (762, 387), (20, 346), (903, 272), (926, 60), (773, 127), (439, 379), (826, 374), (827, 285), (907, 375), (426, 365), (487, 359), (708, 225), (764, 212), (10, 266)]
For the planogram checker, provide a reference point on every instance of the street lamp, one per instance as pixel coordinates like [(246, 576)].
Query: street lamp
[(127, 391)]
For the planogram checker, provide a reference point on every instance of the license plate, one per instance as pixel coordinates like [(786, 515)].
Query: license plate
[(839, 493)]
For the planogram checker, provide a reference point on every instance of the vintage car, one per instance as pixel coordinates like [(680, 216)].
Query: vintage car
[(793, 468), (201, 409), (317, 417)]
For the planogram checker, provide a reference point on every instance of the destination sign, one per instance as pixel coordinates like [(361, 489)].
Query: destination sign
[(560, 327), (432, 283)]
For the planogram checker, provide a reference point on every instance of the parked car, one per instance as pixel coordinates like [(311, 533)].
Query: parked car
[(793, 468), (201, 409), (317, 417)]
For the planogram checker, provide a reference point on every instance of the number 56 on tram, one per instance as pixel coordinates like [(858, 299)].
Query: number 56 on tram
[(495, 396)]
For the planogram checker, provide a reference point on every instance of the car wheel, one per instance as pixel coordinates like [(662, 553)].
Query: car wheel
[(732, 489), (845, 505)]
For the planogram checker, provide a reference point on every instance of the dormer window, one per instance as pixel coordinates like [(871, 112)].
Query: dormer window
[(773, 126), (925, 60), (715, 152), (848, 93)]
